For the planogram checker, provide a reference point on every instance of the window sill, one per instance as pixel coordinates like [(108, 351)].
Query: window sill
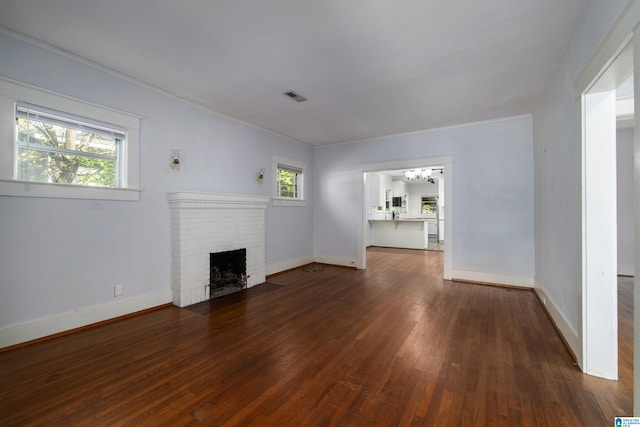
[(289, 202), (66, 191)]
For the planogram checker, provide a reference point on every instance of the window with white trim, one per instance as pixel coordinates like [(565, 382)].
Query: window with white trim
[(289, 182), (55, 146), (288, 189)]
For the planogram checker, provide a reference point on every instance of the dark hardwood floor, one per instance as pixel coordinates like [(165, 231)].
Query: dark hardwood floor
[(323, 346)]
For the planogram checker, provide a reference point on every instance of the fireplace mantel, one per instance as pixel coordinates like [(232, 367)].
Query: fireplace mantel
[(204, 223), (194, 200)]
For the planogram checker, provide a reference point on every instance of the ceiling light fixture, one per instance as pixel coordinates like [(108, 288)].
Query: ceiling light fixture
[(417, 174), (420, 175)]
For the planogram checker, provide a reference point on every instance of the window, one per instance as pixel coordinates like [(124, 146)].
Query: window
[(428, 205), (289, 180), (55, 146), (288, 187)]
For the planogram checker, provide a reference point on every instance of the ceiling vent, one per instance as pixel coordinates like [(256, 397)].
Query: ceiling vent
[(295, 96)]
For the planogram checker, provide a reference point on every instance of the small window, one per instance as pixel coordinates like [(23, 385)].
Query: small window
[(429, 205), (289, 182), (55, 147), (288, 187), (52, 145)]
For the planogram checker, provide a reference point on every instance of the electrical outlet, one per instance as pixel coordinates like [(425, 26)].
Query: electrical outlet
[(118, 290)]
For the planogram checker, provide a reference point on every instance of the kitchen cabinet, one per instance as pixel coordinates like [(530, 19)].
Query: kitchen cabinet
[(375, 194), (398, 188), (432, 225), (378, 185)]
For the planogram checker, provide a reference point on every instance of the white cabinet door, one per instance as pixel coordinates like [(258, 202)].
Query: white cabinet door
[(374, 189), (397, 188)]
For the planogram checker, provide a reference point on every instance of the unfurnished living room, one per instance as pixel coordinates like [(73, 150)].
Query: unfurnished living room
[(285, 213)]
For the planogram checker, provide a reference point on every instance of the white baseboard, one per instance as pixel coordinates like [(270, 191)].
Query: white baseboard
[(498, 279), (626, 270), (288, 265), (40, 328), (299, 262), (334, 260), (569, 334)]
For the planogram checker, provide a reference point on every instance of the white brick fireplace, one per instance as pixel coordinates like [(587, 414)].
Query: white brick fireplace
[(205, 223)]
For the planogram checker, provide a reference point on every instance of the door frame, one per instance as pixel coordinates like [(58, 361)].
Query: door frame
[(447, 163), (622, 32)]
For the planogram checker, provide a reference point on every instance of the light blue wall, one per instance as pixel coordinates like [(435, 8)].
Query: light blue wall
[(492, 192), (59, 256), (557, 159), (63, 255)]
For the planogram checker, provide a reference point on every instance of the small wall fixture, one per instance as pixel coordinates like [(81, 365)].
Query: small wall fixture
[(260, 176), (174, 161)]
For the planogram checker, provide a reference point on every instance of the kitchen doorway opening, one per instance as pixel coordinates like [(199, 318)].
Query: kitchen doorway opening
[(380, 203)]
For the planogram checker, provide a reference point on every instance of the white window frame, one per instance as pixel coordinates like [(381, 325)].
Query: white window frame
[(291, 164), (12, 92)]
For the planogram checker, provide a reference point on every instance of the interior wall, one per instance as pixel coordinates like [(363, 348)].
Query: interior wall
[(626, 228), (557, 157), (492, 206), (62, 256)]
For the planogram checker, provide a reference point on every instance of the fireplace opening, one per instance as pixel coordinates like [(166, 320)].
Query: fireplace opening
[(228, 272)]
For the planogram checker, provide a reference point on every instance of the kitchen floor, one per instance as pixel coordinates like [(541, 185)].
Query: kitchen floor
[(434, 245)]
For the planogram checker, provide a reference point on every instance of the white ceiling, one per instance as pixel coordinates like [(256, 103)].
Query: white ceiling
[(368, 67)]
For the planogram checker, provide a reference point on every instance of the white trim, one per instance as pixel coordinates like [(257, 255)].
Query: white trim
[(12, 91), (607, 51), (608, 48), (281, 201), (40, 328), (493, 278), (447, 163), (599, 316), (335, 260), (570, 334), (405, 164), (302, 184), (203, 199), (17, 188), (36, 95), (636, 210), (288, 265)]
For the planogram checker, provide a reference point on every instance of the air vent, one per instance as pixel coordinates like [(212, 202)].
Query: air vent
[(295, 96)]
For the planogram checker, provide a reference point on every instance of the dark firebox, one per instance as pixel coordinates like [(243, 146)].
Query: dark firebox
[(228, 272)]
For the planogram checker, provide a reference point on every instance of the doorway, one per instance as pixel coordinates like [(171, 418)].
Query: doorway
[(446, 166), (601, 105)]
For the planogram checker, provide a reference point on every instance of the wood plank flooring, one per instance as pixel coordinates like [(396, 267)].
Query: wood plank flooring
[(323, 346)]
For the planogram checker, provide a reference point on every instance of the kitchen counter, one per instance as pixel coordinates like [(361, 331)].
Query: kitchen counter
[(410, 233), (402, 220)]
